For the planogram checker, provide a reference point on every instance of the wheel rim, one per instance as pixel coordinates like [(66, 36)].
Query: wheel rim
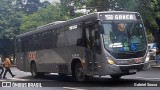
[(79, 73), (33, 70)]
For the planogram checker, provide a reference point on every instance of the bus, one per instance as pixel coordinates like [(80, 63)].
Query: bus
[(85, 46)]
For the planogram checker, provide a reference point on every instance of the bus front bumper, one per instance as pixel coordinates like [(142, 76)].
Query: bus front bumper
[(124, 69)]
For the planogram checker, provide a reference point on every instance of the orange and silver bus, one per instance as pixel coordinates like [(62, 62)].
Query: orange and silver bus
[(101, 43)]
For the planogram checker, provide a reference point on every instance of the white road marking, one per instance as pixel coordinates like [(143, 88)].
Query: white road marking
[(73, 88), (19, 79), (14, 79), (148, 78)]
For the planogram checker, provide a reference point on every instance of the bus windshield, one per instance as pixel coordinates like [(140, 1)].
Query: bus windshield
[(124, 36)]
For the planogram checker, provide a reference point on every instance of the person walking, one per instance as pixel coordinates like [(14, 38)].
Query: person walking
[(7, 65), (1, 67)]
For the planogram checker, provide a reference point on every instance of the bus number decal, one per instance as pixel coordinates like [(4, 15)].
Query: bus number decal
[(73, 27), (109, 17), (32, 55)]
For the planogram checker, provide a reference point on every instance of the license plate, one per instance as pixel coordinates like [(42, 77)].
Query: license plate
[(132, 70)]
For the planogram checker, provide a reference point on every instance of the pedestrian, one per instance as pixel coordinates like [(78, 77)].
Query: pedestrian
[(1, 67), (7, 65), (157, 57)]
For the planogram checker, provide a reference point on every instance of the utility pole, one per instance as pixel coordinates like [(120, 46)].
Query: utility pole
[(71, 8)]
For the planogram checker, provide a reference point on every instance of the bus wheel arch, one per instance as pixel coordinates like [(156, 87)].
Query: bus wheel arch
[(116, 76), (77, 70)]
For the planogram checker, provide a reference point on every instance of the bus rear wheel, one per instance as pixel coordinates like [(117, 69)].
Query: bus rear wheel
[(115, 76), (79, 73), (34, 70)]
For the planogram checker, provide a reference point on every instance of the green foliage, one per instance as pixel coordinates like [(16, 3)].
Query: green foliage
[(43, 16), (6, 13)]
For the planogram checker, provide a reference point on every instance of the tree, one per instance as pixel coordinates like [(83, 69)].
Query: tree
[(6, 13), (43, 16), (31, 6), (99, 5), (155, 10), (6, 21)]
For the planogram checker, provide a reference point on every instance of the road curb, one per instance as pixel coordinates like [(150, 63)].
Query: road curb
[(155, 66)]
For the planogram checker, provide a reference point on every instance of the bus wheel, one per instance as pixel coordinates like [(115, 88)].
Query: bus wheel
[(79, 73), (34, 70), (115, 76), (62, 74)]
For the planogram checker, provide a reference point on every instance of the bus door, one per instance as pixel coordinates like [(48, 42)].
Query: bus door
[(91, 53)]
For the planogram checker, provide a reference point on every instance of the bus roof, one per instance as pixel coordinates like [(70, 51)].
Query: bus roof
[(71, 21)]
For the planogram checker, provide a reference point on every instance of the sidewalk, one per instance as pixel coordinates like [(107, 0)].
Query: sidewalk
[(153, 64)]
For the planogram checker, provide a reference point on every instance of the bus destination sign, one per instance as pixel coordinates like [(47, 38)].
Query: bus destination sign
[(117, 16)]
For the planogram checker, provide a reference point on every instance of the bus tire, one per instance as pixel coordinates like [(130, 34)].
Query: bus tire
[(78, 72), (34, 70), (62, 74), (41, 74), (115, 76)]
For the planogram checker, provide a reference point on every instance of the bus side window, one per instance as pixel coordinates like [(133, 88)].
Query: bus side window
[(18, 45), (36, 42), (81, 38), (46, 40), (54, 38)]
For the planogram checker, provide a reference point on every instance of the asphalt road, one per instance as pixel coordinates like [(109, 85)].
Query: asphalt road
[(144, 80)]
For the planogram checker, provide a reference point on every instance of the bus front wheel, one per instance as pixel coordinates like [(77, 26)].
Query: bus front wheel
[(115, 76), (79, 73), (62, 74)]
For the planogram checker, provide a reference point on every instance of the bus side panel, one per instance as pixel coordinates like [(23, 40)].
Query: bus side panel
[(48, 60), (58, 60)]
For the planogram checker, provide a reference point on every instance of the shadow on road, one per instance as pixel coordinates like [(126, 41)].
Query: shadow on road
[(68, 81), (52, 80)]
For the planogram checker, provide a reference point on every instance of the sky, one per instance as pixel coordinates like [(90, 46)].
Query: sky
[(51, 0)]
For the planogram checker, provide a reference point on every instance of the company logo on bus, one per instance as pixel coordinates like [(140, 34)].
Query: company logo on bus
[(117, 16), (32, 55)]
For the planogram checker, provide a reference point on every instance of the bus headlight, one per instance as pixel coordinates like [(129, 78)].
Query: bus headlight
[(110, 61)]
